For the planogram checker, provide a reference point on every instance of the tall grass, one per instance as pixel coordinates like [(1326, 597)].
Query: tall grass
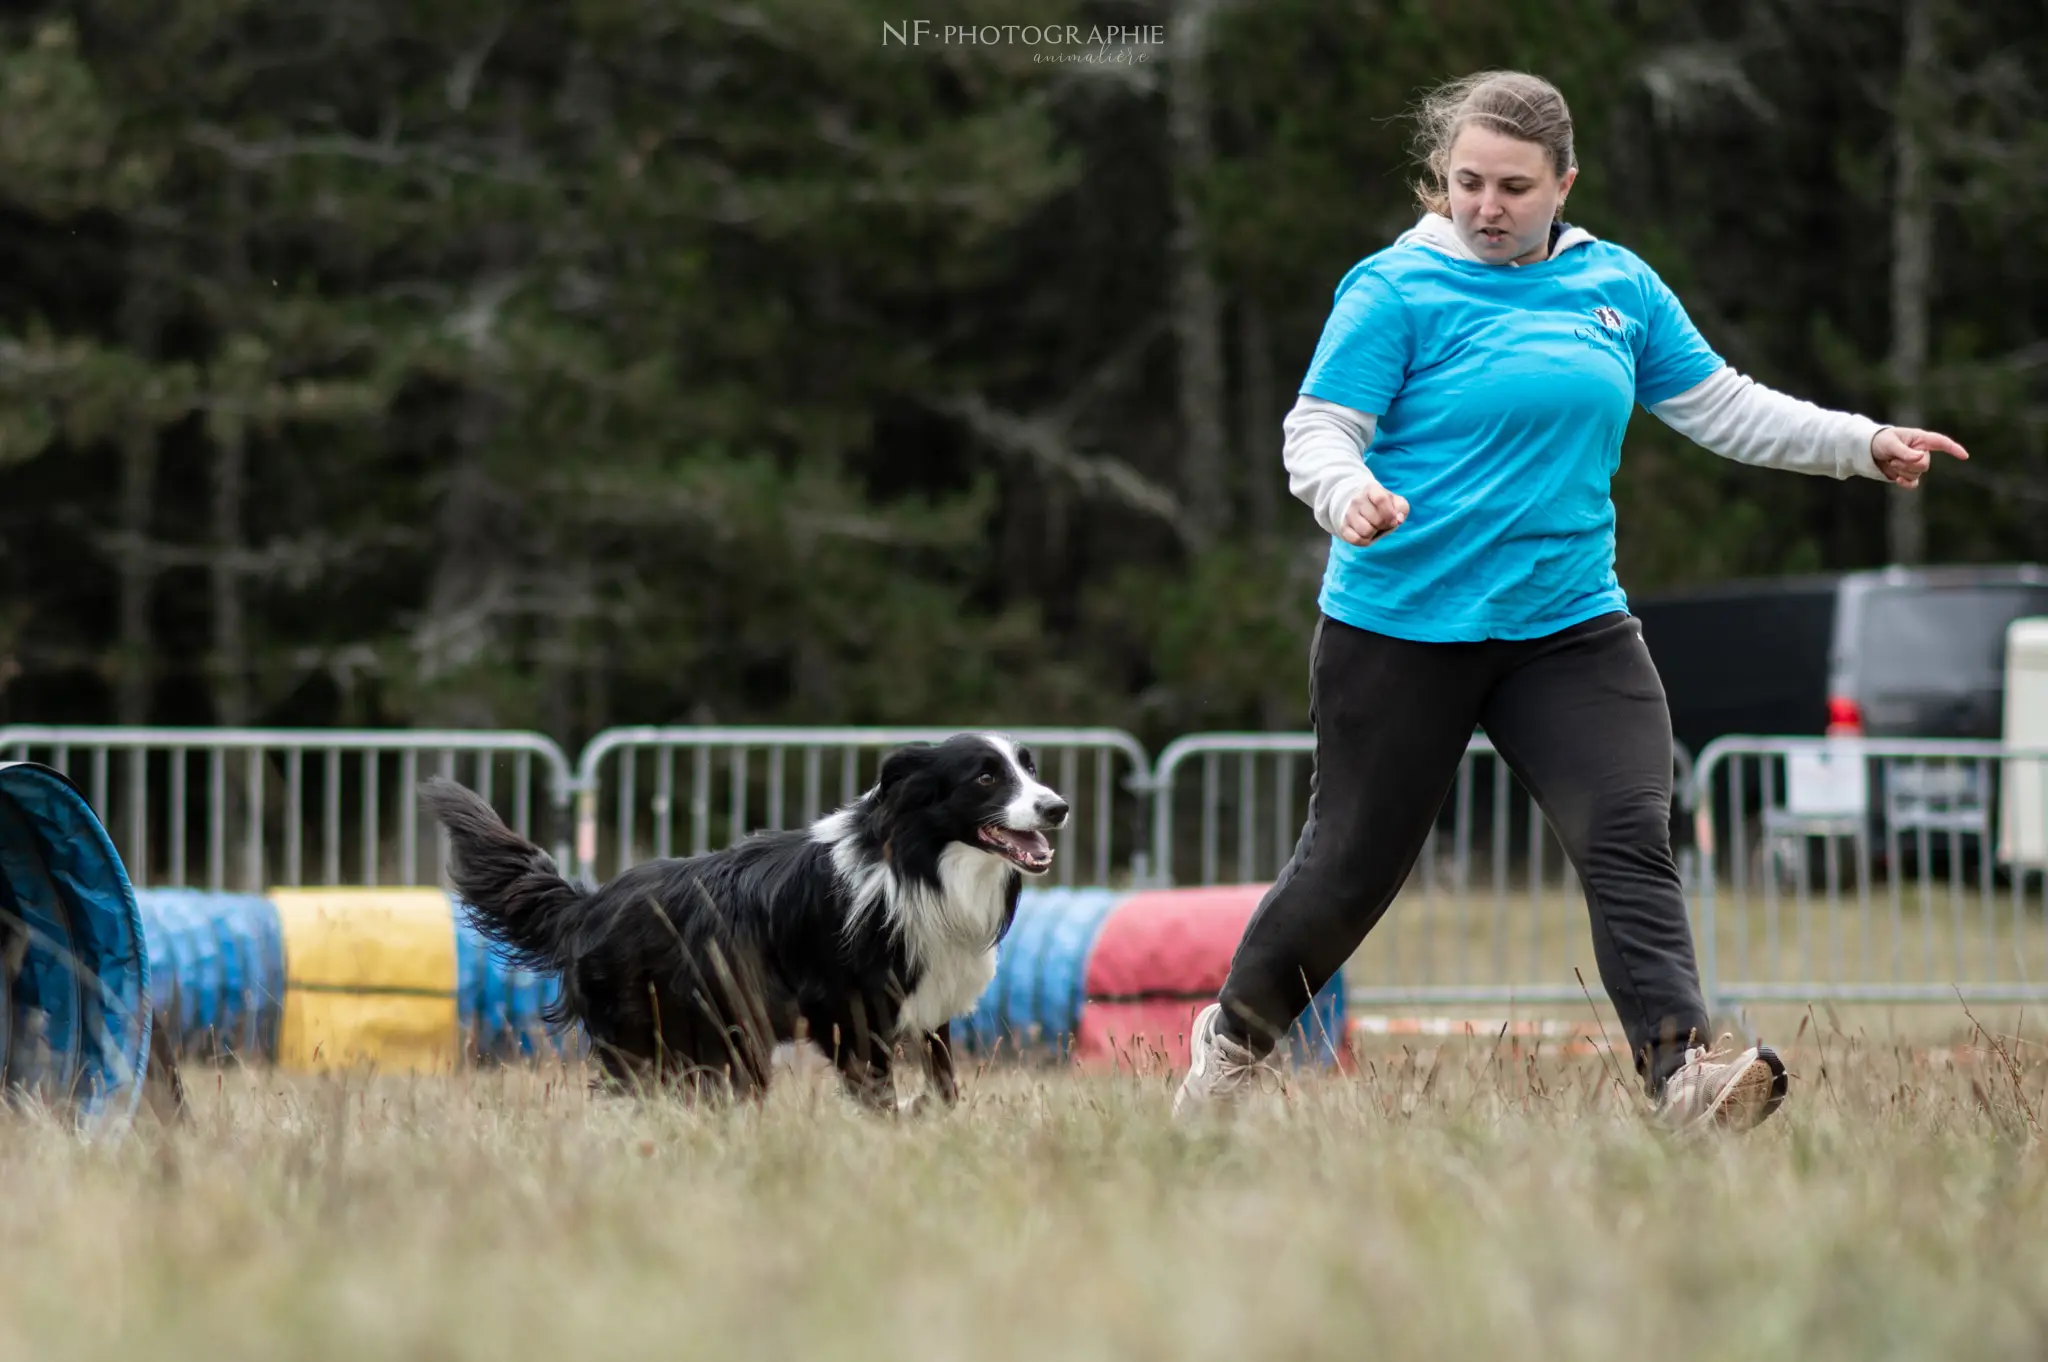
[(1471, 1199)]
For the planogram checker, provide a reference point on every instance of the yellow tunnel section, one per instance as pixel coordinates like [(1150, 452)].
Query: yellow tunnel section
[(370, 979)]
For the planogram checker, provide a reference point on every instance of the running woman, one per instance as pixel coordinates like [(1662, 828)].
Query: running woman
[(1456, 434)]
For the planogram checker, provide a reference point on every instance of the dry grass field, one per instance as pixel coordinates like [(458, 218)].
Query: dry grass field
[(1457, 1200), (1930, 932)]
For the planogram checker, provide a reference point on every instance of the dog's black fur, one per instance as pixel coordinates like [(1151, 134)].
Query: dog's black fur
[(875, 925)]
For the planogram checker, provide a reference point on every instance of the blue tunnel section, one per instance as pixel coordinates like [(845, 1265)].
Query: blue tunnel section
[(74, 972), (1033, 1006), (216, 962), (501, 1006)]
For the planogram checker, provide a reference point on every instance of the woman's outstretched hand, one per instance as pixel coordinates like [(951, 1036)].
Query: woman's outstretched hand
[(1372, 513), (1904, 454)]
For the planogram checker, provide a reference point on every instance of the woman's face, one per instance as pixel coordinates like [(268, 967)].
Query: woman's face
[(1504, 195)]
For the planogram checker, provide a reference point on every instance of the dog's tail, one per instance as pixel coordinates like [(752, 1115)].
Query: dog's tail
[(510, 889)]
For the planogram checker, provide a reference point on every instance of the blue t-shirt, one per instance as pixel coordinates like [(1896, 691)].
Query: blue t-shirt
[(1502, 393)]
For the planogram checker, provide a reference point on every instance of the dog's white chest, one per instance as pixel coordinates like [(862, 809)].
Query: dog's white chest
[(949, 934), (949, 986)]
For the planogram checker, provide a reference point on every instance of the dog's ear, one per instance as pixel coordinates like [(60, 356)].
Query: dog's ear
[(899, 766)]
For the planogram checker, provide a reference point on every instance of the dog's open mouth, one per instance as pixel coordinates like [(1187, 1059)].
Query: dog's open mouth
[(1026, 850)]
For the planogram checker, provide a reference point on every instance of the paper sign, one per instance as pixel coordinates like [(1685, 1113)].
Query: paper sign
[(1826, 780)]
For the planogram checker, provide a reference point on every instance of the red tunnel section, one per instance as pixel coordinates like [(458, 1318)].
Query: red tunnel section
[(1160, 958)]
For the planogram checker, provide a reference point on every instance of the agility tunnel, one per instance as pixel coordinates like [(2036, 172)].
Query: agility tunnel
[(312, 979), (1098, 976), (74, 974)]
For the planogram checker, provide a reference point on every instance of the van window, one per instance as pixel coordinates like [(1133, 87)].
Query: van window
[(1937, 637)]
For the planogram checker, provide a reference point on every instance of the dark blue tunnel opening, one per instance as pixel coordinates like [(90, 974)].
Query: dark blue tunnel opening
[(74, 976)]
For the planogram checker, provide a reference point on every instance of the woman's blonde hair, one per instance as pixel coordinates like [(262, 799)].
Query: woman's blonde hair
[(1512, 102)]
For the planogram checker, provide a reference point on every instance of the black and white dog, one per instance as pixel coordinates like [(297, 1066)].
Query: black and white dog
[(876, 925)]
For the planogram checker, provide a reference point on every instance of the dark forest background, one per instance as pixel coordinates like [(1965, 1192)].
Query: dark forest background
[(449, 362)]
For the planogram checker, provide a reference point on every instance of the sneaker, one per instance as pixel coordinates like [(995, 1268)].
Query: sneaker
[(1219, 1068), (1734, 1091)]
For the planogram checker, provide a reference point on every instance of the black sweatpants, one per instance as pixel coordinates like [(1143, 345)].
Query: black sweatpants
[(1581, 720)]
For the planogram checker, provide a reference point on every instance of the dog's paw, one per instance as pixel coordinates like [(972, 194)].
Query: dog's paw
[(915, 1106)]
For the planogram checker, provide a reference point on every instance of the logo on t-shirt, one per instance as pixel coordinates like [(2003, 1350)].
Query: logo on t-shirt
[(1613, 328)]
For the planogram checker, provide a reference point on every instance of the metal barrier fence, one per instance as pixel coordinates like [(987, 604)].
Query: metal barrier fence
[(247, 809), (707, 787), (1871, 870), (1492, 912), (1823, 869)]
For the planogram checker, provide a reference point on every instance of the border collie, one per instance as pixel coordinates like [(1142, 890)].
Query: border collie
[(876, 925)]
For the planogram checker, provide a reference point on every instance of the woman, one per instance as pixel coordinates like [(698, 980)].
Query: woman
[(1456, 433)]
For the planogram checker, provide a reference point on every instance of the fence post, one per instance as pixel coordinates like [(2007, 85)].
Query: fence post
[(586, 829), (1160, 792), (563, 789), (1693, 789), (1145, 863)]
